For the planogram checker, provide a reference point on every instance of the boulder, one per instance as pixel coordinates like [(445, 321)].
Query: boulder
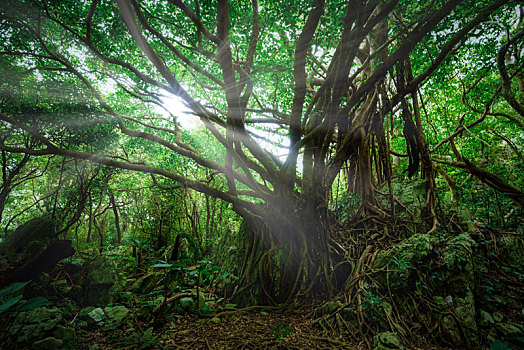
[(513, 248), (332, 307), (64, 333), (101, 280), (456, 279), (96, 317), (400, 259), (187, 303), (148, 283), (147, 307), (412, 194), (110, 317), (34, 325), (467, 331), (386, 341), (28, 240), (48, 343), (116, 315)]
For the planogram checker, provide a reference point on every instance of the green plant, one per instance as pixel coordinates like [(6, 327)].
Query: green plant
[(144, 338), (8, 303), (372, 307), (281, 330)]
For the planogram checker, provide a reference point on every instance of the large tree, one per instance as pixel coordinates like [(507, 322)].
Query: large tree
[(328, 77)]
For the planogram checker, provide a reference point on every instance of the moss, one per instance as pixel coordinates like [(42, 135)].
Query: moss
[(29, 239), (400, 259), (101, 280)]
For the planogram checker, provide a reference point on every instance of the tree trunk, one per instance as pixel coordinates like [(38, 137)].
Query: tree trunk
[(117, 218)]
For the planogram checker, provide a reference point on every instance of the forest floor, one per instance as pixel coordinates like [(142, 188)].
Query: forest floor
[(240, 329)]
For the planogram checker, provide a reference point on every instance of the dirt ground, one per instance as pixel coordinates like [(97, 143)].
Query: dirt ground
[(237, 329)]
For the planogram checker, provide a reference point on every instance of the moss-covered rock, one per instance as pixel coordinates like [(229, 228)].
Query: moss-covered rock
[(28, 240), (386, 341), (110, 317), (412, 194), (96, 317), (398, 261), (101, 279), (332, 307), (187, 303), (513, 249), (148, 306), (48, 343), (456, 280), (117, 315), (148, 283), (34, 325), (64, 333)]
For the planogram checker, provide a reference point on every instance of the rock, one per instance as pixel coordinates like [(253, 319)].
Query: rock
[(48, 343), (144, 312), (126, 298), (117, 315), (148, 283), (147, 307), (215, 320), (332, 307), (96, 317), (386, 341), (100, 281), (187, 303), (201, 298), (452, 329), (34, 324), (465, 311), (111, 317), (64, 333), (28, 240), (83, 314), (400, 259), (485, 319), (412, 193), (458, 267), (454, 277), (513, 249)]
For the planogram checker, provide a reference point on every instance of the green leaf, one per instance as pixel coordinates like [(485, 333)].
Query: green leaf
[(9, 303), (161, 265), (499, 345), (13, 288), (33, 303)]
